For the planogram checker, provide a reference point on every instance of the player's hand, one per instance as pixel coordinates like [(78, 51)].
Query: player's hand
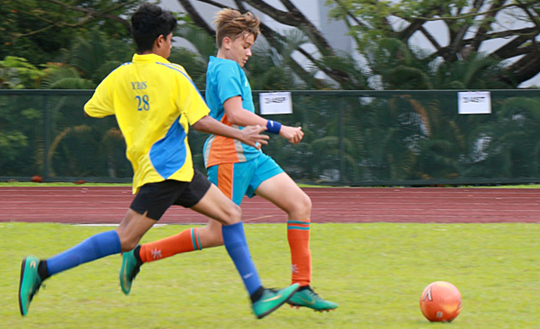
[(252, 136), (293, 134)]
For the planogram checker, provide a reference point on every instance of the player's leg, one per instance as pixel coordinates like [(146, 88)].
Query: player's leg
[(35, 271), (282, 191), (271, 183), (205, 198), (131, 230), (232, 179), (152, 200), (186, 241), (217, 206)]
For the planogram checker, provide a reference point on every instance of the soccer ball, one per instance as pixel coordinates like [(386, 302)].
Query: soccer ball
[(440, 302)]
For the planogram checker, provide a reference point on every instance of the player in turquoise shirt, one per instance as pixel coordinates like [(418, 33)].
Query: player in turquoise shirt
[(240, 170)]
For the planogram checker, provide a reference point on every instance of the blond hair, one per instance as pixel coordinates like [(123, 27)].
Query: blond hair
[(231, 23)]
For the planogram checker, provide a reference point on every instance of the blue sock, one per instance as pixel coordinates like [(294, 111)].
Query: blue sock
[(95, 247), (234, 240)]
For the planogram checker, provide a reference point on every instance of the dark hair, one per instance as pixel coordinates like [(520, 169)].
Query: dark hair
[(148, 23)]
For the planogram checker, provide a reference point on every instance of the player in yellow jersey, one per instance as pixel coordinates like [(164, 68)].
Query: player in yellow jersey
[(155, 102), (239, 169)]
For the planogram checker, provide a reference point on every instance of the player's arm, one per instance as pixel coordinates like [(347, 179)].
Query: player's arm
[(250, 135), (240, 117), (101, 103)]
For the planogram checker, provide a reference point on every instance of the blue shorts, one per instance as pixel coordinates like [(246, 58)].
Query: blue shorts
[(242, 178)]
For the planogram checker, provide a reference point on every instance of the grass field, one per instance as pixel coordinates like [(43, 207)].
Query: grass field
[(376, 272)]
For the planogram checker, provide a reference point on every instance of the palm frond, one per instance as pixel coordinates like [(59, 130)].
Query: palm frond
[(201, 41)]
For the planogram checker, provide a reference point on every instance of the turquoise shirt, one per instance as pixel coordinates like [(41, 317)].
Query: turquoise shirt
[(225, 79)]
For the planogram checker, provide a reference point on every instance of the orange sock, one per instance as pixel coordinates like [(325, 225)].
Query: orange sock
[(184, 241), (298, 236)]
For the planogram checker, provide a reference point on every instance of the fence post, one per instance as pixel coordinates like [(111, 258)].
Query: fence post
[(341, 147), (47, 122)]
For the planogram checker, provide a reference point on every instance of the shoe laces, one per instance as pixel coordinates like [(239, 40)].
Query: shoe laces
[(314, 294)]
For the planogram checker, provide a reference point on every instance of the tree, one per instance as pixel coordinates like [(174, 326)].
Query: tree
[(468, 25), (370, 21), (17, 73), (46, 26), (394, 66), (326, 59), (38, 29), (507, 146)]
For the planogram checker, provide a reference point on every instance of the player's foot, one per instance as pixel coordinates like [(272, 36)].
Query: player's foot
[(306, 297), (271, 300), (129, 270), (29, 284)]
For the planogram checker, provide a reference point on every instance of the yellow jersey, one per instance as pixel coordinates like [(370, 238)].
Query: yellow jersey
[(154, 102)]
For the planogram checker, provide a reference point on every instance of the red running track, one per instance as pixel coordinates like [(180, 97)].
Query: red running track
[(108, 205)]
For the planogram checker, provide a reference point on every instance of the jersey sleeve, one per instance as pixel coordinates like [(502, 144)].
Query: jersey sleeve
[(228, 82), (101, 104), (190, 101)]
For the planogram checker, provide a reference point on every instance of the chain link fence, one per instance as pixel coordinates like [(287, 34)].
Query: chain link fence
[(356, 138)]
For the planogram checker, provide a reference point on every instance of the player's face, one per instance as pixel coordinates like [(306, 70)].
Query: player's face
[(240, 49)]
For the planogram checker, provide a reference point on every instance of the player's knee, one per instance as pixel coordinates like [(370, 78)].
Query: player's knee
[(235, 213), (232, 214), (301, 207), (306, 203)]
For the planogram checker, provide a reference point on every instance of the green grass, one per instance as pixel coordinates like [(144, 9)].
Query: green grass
[(376, 272)]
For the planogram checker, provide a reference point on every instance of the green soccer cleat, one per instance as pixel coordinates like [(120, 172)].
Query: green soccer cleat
[(309, 298), (271, 300), (129, 270), (29, 284)]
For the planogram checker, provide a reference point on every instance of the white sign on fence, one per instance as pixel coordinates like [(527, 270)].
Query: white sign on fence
[(275, 103), (474, 102)]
